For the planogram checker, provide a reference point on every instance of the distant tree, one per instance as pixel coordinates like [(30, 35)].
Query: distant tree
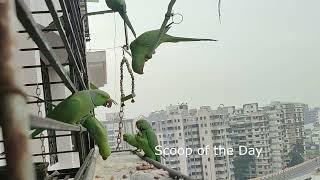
[(241, 166), (296, 155)]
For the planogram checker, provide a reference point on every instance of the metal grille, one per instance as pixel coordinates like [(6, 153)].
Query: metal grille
[(73, 35)]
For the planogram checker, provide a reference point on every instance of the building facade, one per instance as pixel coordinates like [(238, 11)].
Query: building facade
[(274, 129), (111, 123)]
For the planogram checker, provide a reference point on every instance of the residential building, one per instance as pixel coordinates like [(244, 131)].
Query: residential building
[(111, 123), (293, 125), (269, 128), (312, 115)]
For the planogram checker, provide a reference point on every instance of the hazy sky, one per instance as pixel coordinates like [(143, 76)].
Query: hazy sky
[(267, 50)]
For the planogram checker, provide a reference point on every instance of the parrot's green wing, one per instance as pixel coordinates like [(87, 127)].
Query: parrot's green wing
[(67, 111), (143, 141), (153, 142), (131, 139), (78, 105), (147, 132)]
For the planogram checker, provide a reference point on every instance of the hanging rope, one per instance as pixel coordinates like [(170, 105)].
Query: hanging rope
[(132, 95), (121, 112), (123, 96), (39, 104)]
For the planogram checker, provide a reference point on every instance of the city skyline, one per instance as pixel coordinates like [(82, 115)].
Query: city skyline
[(266, 51), (271, 132), (101, 110)]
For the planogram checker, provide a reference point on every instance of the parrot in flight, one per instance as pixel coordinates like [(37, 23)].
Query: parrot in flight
[(99, 134), (142, 46), (146, 132), (120, 7), (78, 106)]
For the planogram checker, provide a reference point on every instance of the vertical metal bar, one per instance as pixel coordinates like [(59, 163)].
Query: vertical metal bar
[(13, 116), (80, 28), (65, 42), (79, 146), (68, 24), (87, 162), (31, 26), (74, 10)]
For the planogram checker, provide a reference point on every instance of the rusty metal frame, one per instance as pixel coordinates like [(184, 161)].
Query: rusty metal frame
[(28, 22), (65, 41), (13, 116), (15, 127)]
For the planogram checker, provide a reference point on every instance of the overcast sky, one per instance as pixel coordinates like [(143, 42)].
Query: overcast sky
[(267, 50)]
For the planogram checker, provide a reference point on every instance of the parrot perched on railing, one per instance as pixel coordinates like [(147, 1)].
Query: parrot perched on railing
[(120, 7), (147, 132), (145, 146), (142, 46), (78, 106), (99, 134), (131, 139)]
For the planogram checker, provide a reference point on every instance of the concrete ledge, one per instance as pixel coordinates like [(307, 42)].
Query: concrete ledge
[(123, 165)]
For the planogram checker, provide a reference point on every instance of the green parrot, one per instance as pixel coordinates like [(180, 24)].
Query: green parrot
[(120, 7), (78, 106), (145, 146), (148, 133), (142, 46), (99, 134), (131, 139)]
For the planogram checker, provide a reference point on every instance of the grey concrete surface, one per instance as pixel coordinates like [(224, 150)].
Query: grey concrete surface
[(123, 165)]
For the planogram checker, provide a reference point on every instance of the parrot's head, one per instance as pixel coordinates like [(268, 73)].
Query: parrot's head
[(139, 54), (101, 98), (143, 124)]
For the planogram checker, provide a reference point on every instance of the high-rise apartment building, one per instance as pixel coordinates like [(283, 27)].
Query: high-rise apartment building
[(111, 123), (273, 129)]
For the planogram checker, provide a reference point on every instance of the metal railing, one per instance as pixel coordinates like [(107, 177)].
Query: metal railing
[(73, 36)]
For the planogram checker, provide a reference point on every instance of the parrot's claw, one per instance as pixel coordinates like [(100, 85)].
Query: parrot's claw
[(137, 150)]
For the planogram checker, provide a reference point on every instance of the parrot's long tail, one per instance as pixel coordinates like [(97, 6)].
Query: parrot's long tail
[(127, 21), (174, 39), (36, 132)]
